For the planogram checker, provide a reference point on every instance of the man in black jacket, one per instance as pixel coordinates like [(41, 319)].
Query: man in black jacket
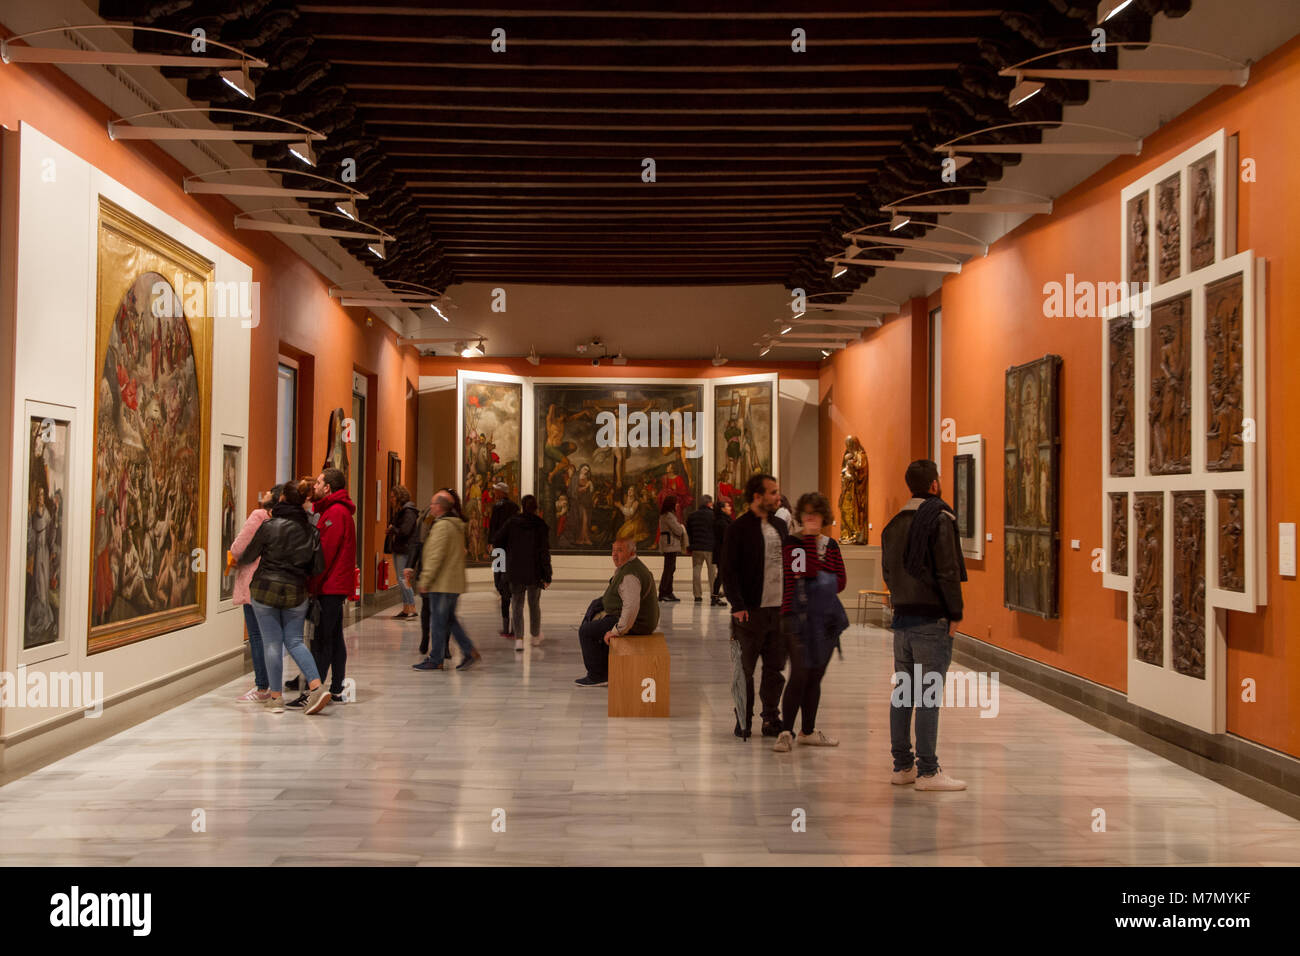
[(752, 578), (526, 540), (923, 569), (699, 532), (502, 511)]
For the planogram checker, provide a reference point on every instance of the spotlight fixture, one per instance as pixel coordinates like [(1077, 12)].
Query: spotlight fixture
[(619, 359), (304, 152), (441, 314), (800, 313), (838, 270), (718, 358), (826, 353), (1023, 90), (532, 357), (377, 249), (348, 208), (764, 350), (467, 350), (197, 184), (239, 81), (898, 221), (1109, 8)]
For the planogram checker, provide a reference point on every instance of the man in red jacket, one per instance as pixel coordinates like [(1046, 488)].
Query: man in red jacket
[(338, 541)]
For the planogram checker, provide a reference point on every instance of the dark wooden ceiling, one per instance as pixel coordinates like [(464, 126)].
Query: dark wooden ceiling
[(526, 165)]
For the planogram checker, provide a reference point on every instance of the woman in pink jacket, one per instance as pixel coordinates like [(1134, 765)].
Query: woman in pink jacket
[(243, 577)]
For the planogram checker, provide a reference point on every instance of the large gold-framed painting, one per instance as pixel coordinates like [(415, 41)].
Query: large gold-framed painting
[(492, 416), (153, 379)]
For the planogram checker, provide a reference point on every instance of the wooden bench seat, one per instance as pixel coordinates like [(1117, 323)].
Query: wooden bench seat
[(638, 671)]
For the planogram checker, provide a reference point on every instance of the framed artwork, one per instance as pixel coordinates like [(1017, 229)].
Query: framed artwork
[(1032, 451), (491, 414), (593, 487), (336, 444), (153, 381), (394, 479), (1182, 398), (963, 494), (45, 609), (744, 421), (232, 507)]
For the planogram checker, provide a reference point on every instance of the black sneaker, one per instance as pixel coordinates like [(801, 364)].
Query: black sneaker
[(469, 661), (291, 684), (771, 728), (743, 733), (591, 682), (699, 600), (299, 701)]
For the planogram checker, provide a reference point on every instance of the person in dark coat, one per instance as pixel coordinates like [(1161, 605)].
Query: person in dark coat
[(402, 530), (722, 518), (699, 531), (526, 540), (502, 511)]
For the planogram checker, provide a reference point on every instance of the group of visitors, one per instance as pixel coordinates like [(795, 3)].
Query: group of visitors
[(295, 560)]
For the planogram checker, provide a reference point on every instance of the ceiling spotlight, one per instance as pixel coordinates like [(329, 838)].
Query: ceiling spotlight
[(718, 358), (838, 270), (305, 153), (799, 313), (786, 329), (764, 350), (377, 249), (1023, 90), (1109, 8), (348, 208), (435, 308), (532, 357), (898, 221), (238, 80), (619, 359), (826, 353)]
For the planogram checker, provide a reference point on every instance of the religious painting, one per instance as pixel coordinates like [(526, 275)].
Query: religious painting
[(1139, 243), (1224, 375), (1169, 404), (1188, 600), (609, 456), (231, 504), (1231, 527), (1149, 578), (1200, 182), (336, 444), (743, 421), (493, 427), (963, 494), (1168, 229), (1122, 430), (1032, 449), (153, 368), (394, 479), (47, 521)]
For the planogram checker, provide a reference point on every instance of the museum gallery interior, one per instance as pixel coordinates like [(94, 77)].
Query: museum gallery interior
[(613, 264)]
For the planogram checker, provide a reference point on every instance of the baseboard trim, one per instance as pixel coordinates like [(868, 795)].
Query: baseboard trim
[(1258, 772)]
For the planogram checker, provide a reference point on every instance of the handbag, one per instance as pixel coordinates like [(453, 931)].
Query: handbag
[(313, 611), (389, 541)]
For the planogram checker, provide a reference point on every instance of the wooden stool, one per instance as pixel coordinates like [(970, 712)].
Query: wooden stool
[(633, 662)]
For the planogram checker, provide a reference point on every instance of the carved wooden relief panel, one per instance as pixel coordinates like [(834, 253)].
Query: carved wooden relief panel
[(1118, 532), (1169, 403), (1223, 365), (1122, 430), (1188, 599), (1032, 449), (1168, 230), (1139, 244), (1231, 526), (1148, 584), (1200, 185)]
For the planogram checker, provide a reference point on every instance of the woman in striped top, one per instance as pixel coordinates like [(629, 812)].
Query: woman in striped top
[(815, 559)]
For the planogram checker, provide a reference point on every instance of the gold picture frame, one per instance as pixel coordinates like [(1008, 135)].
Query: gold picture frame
[(151, 434)]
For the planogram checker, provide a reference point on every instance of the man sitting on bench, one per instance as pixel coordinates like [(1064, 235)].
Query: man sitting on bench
[(628, 606)]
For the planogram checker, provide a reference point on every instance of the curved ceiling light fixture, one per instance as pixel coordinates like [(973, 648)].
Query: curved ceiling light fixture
[(411, 295), (1208, 77), (197, 184), (1042, 205), (235, 78), (245, 220), (300, 137), (881, 306), (860, 236), (851, 257), (1126, 145)]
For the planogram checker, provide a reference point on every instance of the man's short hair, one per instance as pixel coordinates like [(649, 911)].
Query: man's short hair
[(629, 543), (334, 478), (920, 475), (705, 501), (756, 486)]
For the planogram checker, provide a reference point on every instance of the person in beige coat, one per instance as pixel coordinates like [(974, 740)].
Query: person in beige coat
[(673, 540), (442, 582)]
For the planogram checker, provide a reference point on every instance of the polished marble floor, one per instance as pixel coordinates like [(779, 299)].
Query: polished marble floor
[(509, 763)]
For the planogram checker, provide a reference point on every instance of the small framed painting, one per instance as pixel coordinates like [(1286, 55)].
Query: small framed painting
[(963, 494), (47, 483)]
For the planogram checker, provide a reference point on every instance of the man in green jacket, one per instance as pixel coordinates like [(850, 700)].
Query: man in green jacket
[(442, 582), (628, 606)]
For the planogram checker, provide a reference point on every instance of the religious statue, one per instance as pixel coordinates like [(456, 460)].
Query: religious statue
[(853, 493)]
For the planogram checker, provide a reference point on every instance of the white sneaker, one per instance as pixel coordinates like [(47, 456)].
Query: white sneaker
[(817, 739), (784, 741), (939, 781), (902, 778)]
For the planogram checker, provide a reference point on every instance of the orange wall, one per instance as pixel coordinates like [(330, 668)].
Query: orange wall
[(993, 318), (295, 306)]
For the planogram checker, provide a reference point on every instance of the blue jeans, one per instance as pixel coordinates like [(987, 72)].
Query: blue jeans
[(443, 623), (408, 594), (925, 644), (255, 650), (282, 631)]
